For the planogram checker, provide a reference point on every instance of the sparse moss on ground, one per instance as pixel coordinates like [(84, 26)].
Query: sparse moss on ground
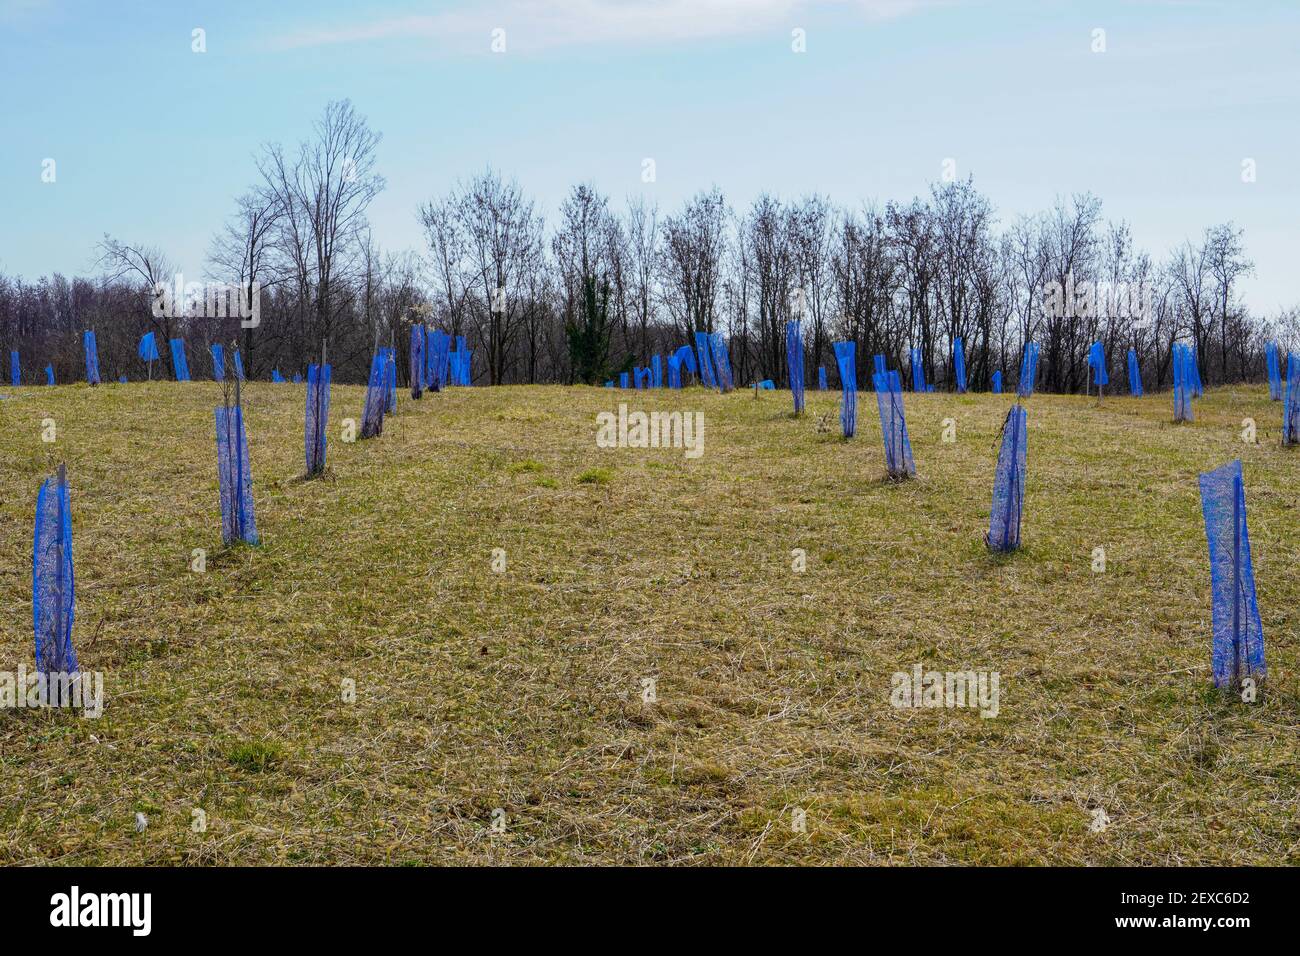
[(523, 691)]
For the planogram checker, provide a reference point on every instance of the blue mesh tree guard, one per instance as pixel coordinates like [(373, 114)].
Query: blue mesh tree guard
[(372, 416), (276, 377), (997, 382), (54, 589), (624, 381), (218, 363), (918, 372), (15, 370), (180, 367), (417, 361), (794, 362), (893, 426), (49, 375), (92, 357), (721, 362), (234, 477), (1028, 370), (1009, 483), (656, 371), (1291, 406), (239, 366), (644, 378), (460, 363), (959, 364), (767, 385), (318, 413), (846, 359), (148, 349), (878, 365), (1134, 375), (1194, 370), (390, 379), (444, 368), (1238, 650), (822, 384), (439, 358), (1274, 373), (1184, 386), (297, 378), (1097, 365), (703, 348), (674, 372), (686, 359)]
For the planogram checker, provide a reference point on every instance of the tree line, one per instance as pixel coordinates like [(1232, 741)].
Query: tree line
[(603, 286)]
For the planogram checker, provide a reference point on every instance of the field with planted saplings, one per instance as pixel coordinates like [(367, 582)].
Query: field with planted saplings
[(645, 674)]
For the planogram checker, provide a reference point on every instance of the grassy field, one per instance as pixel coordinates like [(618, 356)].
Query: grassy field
[(522, 690)]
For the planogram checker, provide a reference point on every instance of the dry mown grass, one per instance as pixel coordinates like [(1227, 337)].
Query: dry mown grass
[(522, 690)]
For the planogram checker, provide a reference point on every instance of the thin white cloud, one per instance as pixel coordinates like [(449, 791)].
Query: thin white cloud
[(539, 24)]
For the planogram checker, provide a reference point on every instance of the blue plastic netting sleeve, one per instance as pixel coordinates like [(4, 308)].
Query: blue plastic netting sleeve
[(1291, 404), (997, 382), (317, 418), (417, 361), (218, 363), (1274, 373), (1134, 375), (439, 358), (1097, 364), (92, 357), (893, 425), (180, 367), (372, 417), (1028, 370), (822, 384), (1009, 483), (657, 371), (234, 477), (1238, 641), (1184, 383), (959, 364), (239, 366), (794, 362), (846, 360), (705, 362), (918, 372), (148, 348), (53, 583), (686, 358), (49, 375), (721, 362), (390, 379), (15, 370)]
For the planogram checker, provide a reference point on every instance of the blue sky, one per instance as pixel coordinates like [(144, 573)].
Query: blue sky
[(153, 142)]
